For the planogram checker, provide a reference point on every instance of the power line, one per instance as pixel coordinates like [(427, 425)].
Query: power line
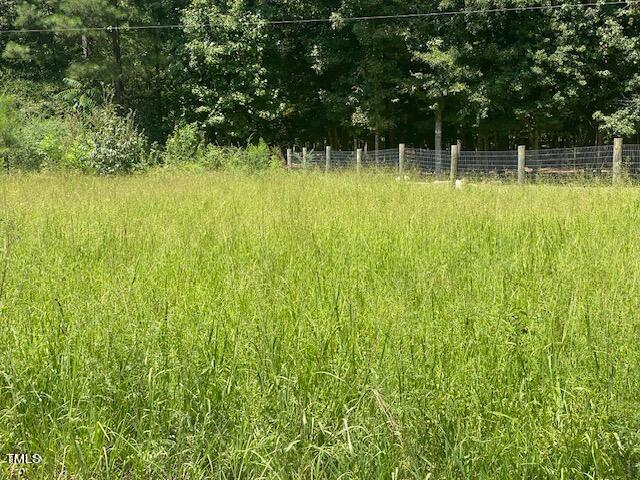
[(337, 19), (453, 13), (93, 29)]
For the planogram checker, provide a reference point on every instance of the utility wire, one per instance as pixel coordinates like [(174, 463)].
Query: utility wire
[(123, 28), (336, 19), (453, 13)]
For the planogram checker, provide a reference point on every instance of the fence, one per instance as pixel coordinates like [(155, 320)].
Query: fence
[(610, 162)]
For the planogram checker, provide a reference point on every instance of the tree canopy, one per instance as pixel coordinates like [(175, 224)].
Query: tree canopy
[(554, 76)]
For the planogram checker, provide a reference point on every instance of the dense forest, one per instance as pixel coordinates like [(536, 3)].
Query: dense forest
[(228, 68)]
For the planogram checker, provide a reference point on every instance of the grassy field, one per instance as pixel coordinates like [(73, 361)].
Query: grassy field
[(299, 326)]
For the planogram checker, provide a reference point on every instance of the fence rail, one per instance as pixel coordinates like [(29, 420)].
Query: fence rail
[(606, 161)]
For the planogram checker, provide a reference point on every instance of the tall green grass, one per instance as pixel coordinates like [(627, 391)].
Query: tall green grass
[(302, 326)]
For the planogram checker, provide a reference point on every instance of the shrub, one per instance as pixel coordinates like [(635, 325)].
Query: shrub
[(18, 138), (57, 143), (118, 147), (30, 141), (8, 121), (214, 156), (262, 157), (253, 158), (186, 144)]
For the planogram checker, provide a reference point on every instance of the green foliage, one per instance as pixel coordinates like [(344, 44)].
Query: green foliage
[(106, 142), (230, 81), (8, 134), (33, 142), (261, 157), (624, 119), (186, 144), (622, 122), (32, 139), (118, 147), (551, 77), (81, 97), (57, 143), (253, 158), (15, 52)]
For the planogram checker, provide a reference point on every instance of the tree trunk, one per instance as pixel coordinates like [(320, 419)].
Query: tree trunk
[(86, 48), (377, 148), (116, 51), (438, 139)]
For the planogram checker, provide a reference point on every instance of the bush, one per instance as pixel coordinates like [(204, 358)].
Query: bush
[(253, 158), (186, 144), (108, 143), (118, 147), (57, 143), (8, 138), (262, 157), (31, 142)]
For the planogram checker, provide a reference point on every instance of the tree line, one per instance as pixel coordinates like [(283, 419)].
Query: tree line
[(493, 79)]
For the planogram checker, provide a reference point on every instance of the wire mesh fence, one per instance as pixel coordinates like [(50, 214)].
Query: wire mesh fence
[(388, 159), (346, 159), (585, 161), (341, 160), (427, 161), (631, 159), (557, 163)]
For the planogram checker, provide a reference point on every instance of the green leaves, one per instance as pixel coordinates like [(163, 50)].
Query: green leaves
[(228, 78), (559, 76), (118, 147), (81, 97)]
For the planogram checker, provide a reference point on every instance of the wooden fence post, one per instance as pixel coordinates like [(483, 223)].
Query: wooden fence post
[(304, 157), (522, 152), (289, 158), (328, 160), (438, 146), (459, 152), (401, 157), (617, 160), (455, 155), (359, 161)]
